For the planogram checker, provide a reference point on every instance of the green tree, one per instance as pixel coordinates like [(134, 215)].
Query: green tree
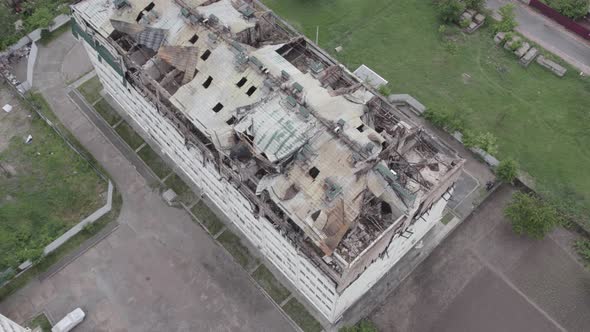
[(530, 216), (508, 21), (474, 4), (485, 141), (8, 35), (450, 10), (583, 249), (571, 8), (362, 326), (507, 170), (40, 18)]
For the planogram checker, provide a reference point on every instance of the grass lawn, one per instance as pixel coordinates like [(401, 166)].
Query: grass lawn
[(540, 120), (184, 192), (129, 135), (272, 286), (447, 218), (72, 244), (46, 188), (91, 89), (207, 217), (299, 314), (48, 37), (151, 158), (40, 321), (107, 112), (242, 255)]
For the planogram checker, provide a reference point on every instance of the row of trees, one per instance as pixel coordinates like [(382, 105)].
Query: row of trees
[(528, 213), (450, 10), (34, 14), (571, 8)]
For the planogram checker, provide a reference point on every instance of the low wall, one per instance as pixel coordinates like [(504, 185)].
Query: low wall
[(567, 22), (80, 226), (58, 22)]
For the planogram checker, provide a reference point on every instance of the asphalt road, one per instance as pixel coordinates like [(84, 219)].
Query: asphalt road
[(549, 34), (486, 278)]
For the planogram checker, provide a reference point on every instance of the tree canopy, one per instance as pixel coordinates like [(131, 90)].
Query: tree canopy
[(571, 8), (531, 216), (507, 170)]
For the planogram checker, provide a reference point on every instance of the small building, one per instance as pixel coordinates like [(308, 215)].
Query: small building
[(370, 77)]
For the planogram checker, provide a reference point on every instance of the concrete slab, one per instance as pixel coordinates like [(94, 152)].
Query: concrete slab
[(510, 283), (489, 304)]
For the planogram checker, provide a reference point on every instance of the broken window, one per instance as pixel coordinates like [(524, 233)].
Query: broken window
[(314, 172), (315, 215), (251, 91), (208, 82), (193, 39), (242, 82), (217, 107), (361, 128), (231, 120), (206, 55), (139, 16)]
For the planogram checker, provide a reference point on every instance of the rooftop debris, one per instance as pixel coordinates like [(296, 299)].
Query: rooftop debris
[(334, 166)]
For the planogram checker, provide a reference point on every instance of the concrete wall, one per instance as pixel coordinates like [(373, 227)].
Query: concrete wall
[(397, 249)]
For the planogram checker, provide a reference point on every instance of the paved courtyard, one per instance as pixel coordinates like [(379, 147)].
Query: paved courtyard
[(158, 271), (485, 278)]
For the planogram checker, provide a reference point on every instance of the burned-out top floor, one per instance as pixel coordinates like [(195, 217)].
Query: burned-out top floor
[(333, 157)]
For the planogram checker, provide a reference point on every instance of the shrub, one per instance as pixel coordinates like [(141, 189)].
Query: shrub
[(444, 120), (474, 4), (450, 10), (484, 141), (530, 216), (451, 47), (362, 326), (438, 119), (507, 37), (574, 9), (464, 23), (40, 18), (384, 90), (516, 45), (507, 170), (583, 249), (508, 21), (8, 34)]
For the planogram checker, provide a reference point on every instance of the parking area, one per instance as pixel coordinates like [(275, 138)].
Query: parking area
[(486, 278)]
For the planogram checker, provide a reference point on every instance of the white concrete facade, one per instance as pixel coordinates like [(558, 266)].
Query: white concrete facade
[(7, 325), (310, 282)]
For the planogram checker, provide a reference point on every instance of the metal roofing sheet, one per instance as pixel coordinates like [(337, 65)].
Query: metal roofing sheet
[(278, 132)]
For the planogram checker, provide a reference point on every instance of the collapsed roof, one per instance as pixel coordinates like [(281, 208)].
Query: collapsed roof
[(325, 152)]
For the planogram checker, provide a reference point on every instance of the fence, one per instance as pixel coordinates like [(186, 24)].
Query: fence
[(567, 22)]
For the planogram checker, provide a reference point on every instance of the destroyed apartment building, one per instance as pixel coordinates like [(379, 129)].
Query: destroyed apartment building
[(330, 182)]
